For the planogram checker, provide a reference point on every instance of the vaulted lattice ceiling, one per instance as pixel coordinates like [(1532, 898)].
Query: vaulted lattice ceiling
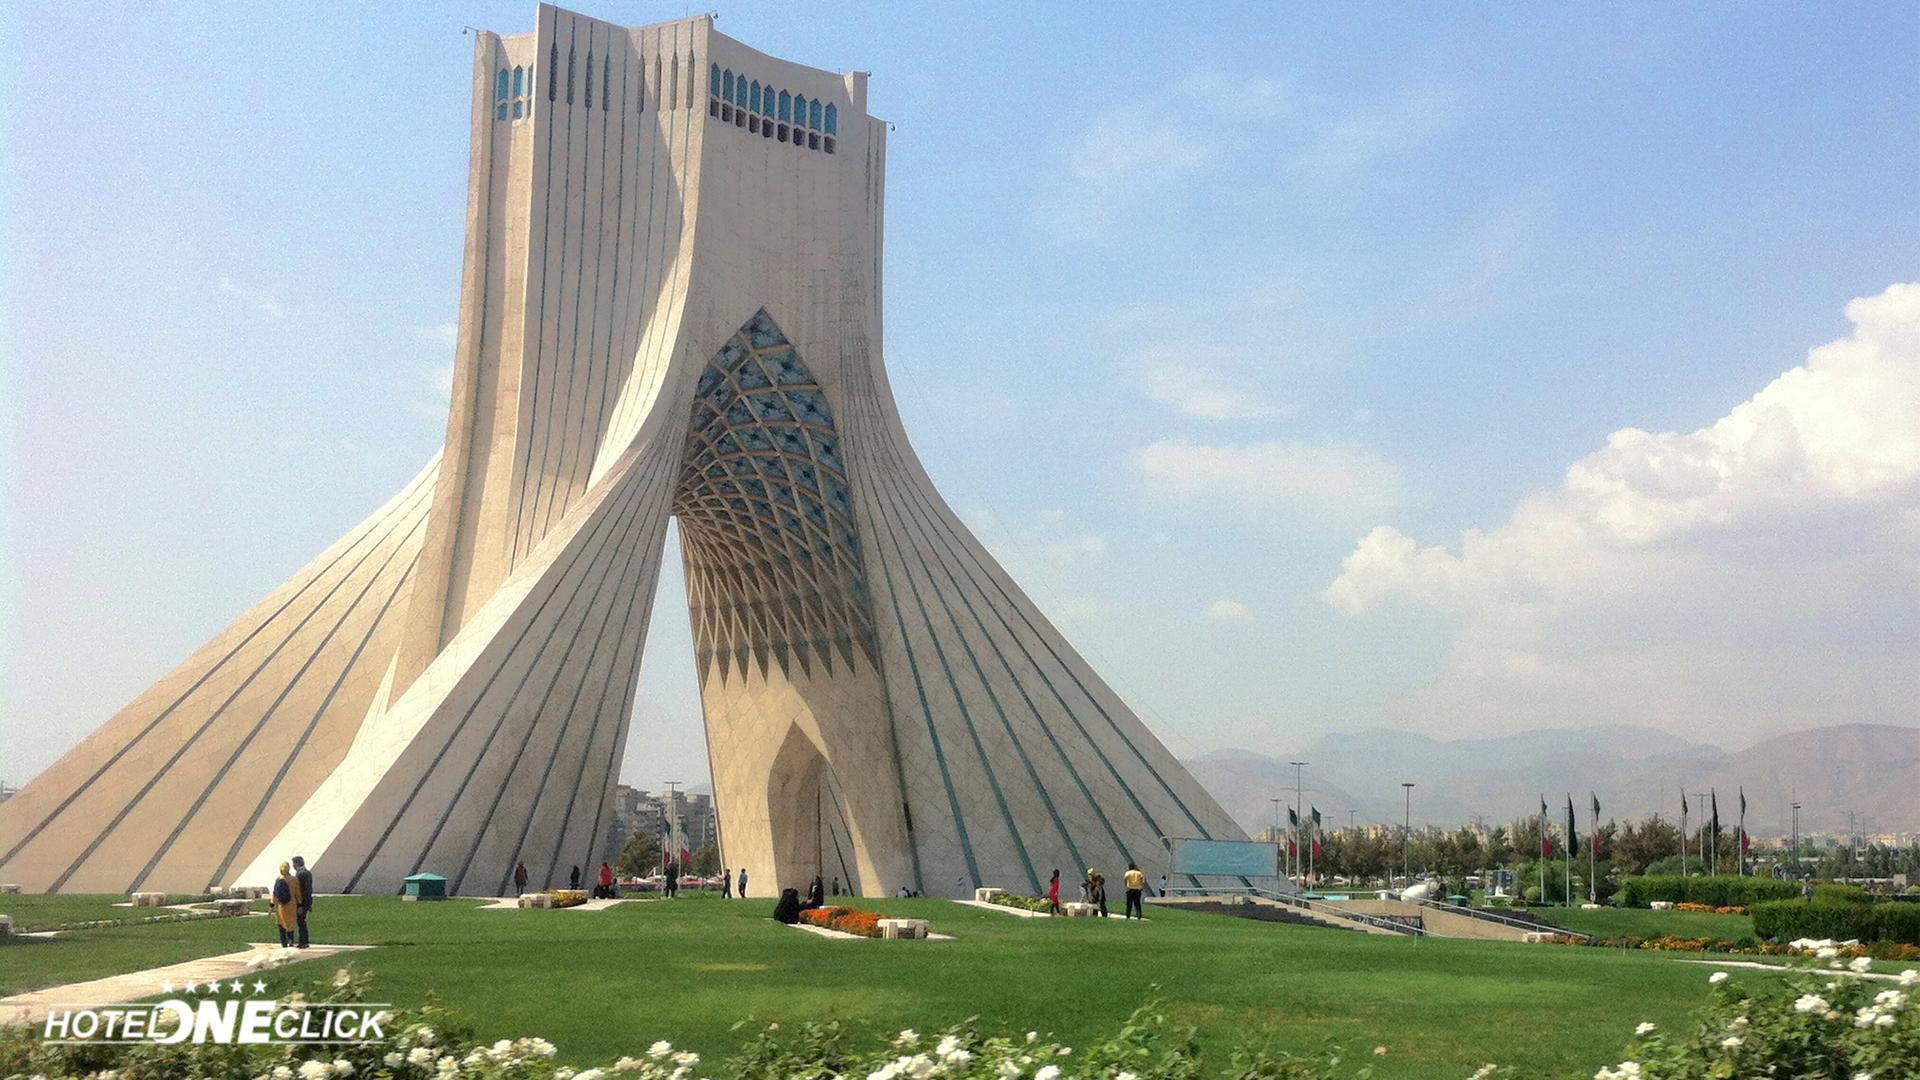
[(766, 515)]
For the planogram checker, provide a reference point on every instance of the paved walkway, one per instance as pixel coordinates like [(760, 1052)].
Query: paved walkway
[(245, 965), (513, 904)]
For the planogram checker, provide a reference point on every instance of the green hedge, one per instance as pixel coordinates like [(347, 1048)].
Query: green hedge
[(1841, 920), (1841, 894), (1722, 891)]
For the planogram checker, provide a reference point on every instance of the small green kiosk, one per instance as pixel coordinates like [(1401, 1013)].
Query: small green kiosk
[(425, 887)]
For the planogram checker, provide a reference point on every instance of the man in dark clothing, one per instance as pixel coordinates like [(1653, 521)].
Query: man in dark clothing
[(726, 884), (816, 893), (573, 879), (519, 878), (305, 877), (673, 878), (836, 884)]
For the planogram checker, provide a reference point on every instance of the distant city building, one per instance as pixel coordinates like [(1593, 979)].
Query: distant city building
[(645, 812)]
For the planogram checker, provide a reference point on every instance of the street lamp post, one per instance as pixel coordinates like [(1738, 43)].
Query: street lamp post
[(1298, 853), (1276, 800), (1406, 835)]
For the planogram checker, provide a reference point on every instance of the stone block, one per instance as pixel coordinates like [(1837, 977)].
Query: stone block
[(233, 906), (903, 929), (536, 900), (1079, 909), (6, 926), (986, 896), (1661, 905), (9, 889), (149, 899)]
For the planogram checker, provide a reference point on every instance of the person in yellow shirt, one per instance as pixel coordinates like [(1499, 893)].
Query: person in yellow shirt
[(1136, 884)]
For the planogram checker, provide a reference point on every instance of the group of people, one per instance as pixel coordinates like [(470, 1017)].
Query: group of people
[(293, 902), (728, 890), (789, 907), (1093, 890)]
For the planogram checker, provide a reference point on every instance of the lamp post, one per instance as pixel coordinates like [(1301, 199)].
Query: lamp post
[(1298, 862), (1276, 800), (1406, 834), (1793, 852)]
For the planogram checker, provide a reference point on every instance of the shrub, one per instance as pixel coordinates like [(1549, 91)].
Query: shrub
[(566, 898), (1790, 920), (1721, 891), (844, 919), (1802, 1026), (1841, 894), (1024, 903)]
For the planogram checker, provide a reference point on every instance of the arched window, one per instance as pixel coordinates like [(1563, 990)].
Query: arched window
[(753, 99), (833, 120), (553, 65), (713, 79), (726, 86), (519, 82), (589, 78), (799, 111), (786, 105), (569, 76), (813, 115), (500, 86)]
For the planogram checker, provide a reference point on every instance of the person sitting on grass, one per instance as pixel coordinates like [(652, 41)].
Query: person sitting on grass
[(816, 893), (788, 909)]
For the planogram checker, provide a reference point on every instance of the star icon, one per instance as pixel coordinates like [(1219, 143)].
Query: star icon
[(259, 987), (234, 986), (167, 987), (189, 989)]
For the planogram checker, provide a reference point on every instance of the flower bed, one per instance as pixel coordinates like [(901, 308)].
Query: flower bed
[(1024, 903), (564, 898), (1820, 949), (1710, 909), (844, 919)]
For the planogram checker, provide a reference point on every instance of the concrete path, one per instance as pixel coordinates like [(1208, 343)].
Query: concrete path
[(513, 904), (244, 966), (1003, 909)]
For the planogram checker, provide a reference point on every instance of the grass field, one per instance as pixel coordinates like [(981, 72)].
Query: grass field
[(1640, 922), (604, 983), (40, 911)]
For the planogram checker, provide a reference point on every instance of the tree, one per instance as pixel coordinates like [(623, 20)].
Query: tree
[(640, 857), (706, 861)]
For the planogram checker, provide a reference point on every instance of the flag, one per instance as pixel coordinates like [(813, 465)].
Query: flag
[(1573, 838), (1683, 813), (1293, 848), (1596, 807), (685, 857), (1716, 811), (1743, 801), (1746, 842), (1316, 818), (1293, 817)]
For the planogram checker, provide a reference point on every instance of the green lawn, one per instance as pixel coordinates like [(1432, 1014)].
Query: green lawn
[(1640, 922), (40, 911), (605, 983)]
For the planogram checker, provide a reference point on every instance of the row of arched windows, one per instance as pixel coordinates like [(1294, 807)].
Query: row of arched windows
[(770, 113), (513, 87)]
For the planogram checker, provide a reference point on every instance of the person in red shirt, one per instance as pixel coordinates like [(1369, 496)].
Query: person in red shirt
[(606, 881), (1053, 894)]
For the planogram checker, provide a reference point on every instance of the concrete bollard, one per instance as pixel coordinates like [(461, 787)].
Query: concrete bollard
[(149, 899)]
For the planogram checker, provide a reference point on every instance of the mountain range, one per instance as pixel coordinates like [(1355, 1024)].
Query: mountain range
[(1870, 769)]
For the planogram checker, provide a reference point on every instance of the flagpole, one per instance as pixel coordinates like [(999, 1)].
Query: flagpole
[(1683, 832), (1742, 849), (1593, 856)]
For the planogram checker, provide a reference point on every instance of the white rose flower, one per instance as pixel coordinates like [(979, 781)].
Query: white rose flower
[(281, 1072), (1826, 952), (1910, 977), (1861, 963), (1731, 1042), (342, 1067), (423, 1035), (1124, 1075), (420, 1056), (1047, 1072), (660, 1049), (1884, 1020), (687, 1058), (1809, 1003), (1739, 1022), (906, 1038), (590, 1074), (394, 1060), (1645, 1028), (1717, 977), (947, 1046), (314, 1070), (1034, 1036)]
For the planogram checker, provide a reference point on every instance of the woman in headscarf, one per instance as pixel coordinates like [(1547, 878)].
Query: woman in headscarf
[(286, 904)]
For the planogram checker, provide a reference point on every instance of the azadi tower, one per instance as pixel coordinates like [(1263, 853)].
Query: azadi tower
[(670, 307)]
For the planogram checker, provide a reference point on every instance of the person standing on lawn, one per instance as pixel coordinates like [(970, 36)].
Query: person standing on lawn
[(305, 877), (1053, 894), (286, 904), (573, 878), (1136, 883), (726, 884), (742, 890), (1097, 887), (519, 878), (606, 881)]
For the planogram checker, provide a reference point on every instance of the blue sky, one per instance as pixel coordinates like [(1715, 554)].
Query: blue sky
[(1183, 312)]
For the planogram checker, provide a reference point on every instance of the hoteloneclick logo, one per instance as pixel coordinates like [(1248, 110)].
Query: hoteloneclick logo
[(253, 1020)]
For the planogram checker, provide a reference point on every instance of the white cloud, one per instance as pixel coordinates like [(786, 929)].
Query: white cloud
[(446, 334), (1330, 480), (1121, 158), (1229, 611), (1762, 569), (259, 301), (1361, 139), (1205, 382)]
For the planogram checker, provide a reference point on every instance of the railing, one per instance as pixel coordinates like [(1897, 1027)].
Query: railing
[(1321, 907), (1495, 917)]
